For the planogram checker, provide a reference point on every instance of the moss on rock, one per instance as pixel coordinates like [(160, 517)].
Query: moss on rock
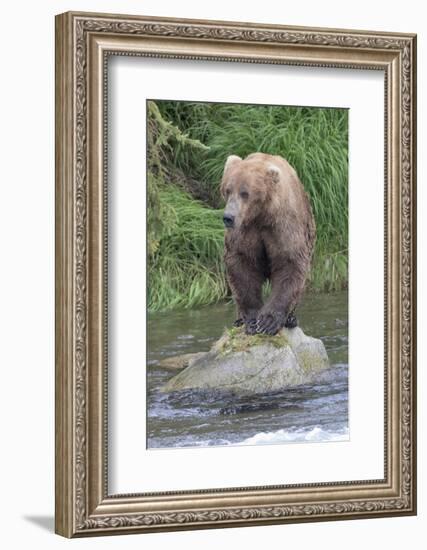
[(311, 362), (236, 340)]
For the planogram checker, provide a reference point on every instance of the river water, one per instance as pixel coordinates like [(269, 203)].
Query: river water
[(312, 412)]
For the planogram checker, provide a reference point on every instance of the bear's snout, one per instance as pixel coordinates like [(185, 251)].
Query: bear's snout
[(228, 220)]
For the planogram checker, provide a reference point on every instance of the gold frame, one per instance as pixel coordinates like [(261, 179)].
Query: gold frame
[(83, 43)]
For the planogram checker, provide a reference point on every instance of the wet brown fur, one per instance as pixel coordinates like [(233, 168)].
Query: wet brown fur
[(273, 238)]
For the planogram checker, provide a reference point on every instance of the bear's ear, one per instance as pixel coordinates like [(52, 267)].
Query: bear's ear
[(232, 159), (273, 173)]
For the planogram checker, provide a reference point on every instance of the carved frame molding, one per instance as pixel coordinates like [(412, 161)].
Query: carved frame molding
[(83, 43)]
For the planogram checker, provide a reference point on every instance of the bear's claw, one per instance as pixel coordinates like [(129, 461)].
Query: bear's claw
[(251, 327), (291, 321), (268, 324)]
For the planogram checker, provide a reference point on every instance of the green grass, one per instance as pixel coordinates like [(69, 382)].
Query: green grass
[(187, 269), (186, 256)]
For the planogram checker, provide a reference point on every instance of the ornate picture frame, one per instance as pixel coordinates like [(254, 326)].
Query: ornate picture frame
[(84, 42)]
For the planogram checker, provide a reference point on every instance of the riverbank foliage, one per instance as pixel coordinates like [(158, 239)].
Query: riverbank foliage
[(188, 144)]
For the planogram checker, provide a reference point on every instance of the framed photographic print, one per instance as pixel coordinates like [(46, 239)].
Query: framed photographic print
[(235, 274)]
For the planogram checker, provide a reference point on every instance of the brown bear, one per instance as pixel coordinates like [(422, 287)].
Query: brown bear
[(270, 235)]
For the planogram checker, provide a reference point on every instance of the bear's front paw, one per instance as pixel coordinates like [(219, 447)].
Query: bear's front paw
[(291, 321), (238, 322), (251, 326), (269, 323)]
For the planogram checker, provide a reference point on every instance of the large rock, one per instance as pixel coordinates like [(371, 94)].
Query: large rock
[(254, 364), (179, 362)]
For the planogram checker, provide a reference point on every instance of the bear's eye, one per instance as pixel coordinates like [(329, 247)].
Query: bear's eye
[(227, 191), (244, 194)]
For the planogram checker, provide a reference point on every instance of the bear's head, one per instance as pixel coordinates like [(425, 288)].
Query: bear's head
[(247, 188)]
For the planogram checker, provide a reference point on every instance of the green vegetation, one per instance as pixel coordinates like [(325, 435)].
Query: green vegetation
[(188, 144), (235, 339), (184, 236)]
